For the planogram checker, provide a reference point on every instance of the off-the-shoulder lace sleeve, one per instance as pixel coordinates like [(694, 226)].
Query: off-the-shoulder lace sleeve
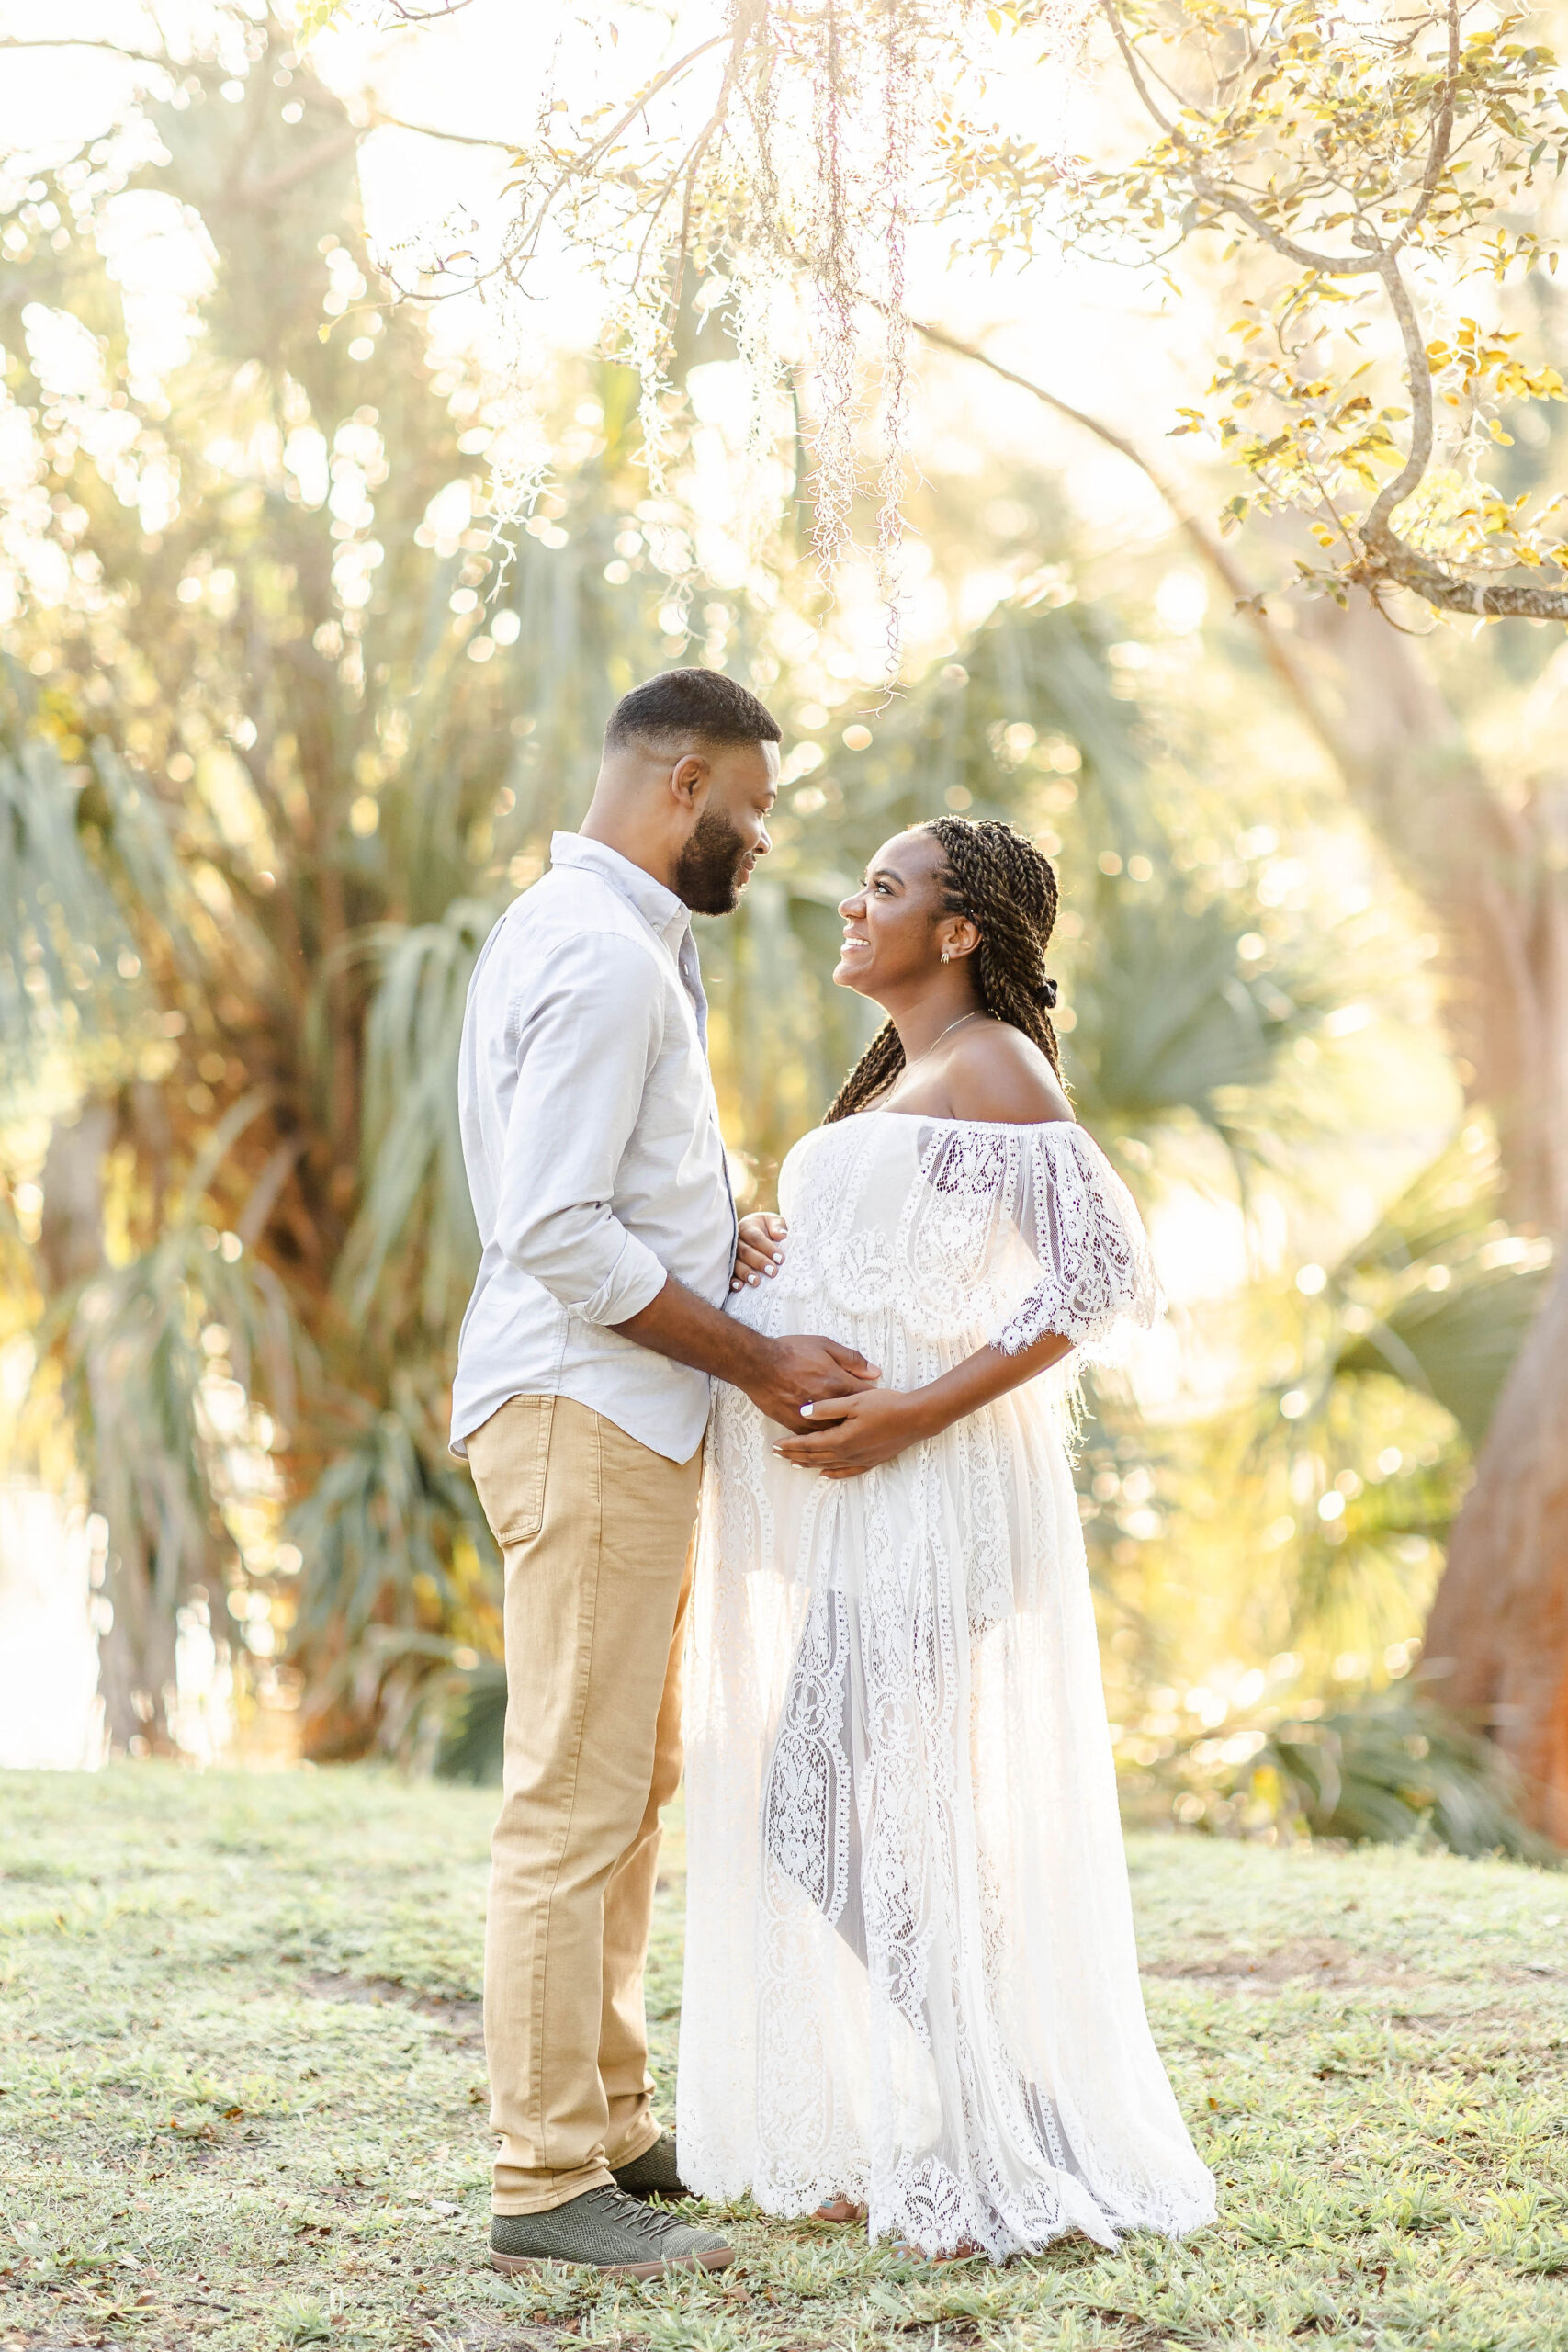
[(1097, 1280), (965, 1233)]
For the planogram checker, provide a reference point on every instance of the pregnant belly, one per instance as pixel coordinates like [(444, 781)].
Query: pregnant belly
[(908, 1358)]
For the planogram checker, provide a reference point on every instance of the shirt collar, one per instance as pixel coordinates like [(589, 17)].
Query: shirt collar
[(659, 908)]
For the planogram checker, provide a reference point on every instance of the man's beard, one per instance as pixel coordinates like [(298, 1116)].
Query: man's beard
[(707, 872)]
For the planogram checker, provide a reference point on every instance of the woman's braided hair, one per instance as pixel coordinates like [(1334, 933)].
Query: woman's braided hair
[(1007, 890)]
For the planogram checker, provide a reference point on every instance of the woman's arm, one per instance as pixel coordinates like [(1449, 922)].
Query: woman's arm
[(872, 1428), (997, 1075)]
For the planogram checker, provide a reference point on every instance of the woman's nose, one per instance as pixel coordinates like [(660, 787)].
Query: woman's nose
[(848, 907)]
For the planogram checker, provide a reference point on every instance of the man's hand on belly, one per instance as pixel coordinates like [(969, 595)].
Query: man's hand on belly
[(779, 1376), (801, 1372)]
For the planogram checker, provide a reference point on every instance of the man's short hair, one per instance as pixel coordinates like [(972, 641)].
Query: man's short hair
[(680, 703)]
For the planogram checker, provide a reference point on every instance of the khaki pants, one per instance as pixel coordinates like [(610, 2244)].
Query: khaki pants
[(595, 1537)]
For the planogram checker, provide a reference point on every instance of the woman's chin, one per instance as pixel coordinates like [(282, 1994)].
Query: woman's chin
[(851, 974)]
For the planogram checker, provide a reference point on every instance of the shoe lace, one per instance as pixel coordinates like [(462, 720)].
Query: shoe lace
[(647, 2221), (656, 2223)]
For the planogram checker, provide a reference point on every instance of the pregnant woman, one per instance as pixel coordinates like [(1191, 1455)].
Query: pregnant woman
[(911, 1983)]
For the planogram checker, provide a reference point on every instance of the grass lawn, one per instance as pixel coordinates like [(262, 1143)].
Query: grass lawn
[(242, 2099)]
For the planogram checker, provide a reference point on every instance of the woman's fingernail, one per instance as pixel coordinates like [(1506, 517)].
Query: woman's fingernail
[(772, 1271), (751, 1278), (778, 1257)]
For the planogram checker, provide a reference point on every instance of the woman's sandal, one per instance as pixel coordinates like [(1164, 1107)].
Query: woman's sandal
[(840, 2209)]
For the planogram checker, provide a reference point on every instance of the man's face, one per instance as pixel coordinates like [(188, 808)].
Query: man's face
[(731, 832)]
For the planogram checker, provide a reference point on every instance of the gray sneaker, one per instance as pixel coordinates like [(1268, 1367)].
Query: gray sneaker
[(656, 2173), (609, 2231)]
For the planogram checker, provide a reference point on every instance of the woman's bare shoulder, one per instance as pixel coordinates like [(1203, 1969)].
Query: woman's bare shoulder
[(995, 1073)]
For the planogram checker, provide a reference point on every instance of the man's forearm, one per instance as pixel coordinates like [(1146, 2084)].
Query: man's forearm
[(779, 1376), (680, 1325)]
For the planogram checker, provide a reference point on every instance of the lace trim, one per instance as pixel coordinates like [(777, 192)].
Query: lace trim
[(910, 1969), (1002, 1234)]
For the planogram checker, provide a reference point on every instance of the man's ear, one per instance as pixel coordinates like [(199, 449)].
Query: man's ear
[(689, 778)]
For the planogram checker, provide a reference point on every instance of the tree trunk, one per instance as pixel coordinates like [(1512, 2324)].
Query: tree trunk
[(70, 1230), (1496, 1646), (136, 1650), (1492, 872), (137, 1663), (1492, 868)]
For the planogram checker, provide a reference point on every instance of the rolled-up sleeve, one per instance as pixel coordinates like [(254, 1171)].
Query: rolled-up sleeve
[(586, 1037)]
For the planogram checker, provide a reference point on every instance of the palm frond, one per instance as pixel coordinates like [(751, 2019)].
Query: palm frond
[(159, 1366), (68, 957), (395, 1549), (1440, 1294), (1171, 1020), (415, 1205), (1396, 1767), (473, 1739)]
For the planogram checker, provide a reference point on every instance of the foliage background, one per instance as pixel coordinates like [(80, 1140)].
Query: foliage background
[(282, 728)]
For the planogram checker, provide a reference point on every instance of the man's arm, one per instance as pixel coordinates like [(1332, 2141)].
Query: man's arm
[(587, 1037), (586, 1033), (779, 1376)]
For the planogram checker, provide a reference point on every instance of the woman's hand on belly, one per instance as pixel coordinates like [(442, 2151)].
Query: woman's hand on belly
[(878, 1423), (758, 1248), (858, 1432)]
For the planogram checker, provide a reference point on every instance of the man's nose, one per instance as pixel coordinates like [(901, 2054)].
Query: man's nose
[(763, 844)]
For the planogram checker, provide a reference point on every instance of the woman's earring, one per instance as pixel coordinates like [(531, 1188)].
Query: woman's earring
[(946, 955)]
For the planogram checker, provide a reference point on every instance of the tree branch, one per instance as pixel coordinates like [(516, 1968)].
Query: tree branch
[(379, 121), (1324, 264), (1130, 60), (661, 82), (1385, 555), (1442, 133), (1375, 531), (109, 47), (1216, 554), (1393, 557), (530, 229), (695, 165)]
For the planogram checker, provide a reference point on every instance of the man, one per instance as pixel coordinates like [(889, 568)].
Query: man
[(591, 1141)]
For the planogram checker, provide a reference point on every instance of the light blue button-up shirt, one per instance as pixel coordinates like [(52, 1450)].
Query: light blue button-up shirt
[(592, 1142)]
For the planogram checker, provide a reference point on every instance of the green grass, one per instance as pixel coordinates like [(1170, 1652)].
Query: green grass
[(242, 2099)]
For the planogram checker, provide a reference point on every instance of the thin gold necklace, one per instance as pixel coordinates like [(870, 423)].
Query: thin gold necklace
[(977, 1016)]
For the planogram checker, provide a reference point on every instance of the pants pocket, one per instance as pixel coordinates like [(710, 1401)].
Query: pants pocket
[(510, 1458)]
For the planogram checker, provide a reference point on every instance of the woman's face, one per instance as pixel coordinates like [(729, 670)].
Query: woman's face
[(895, 924)]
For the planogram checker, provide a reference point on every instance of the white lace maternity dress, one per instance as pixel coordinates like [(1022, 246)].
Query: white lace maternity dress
[(910, 1973)]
